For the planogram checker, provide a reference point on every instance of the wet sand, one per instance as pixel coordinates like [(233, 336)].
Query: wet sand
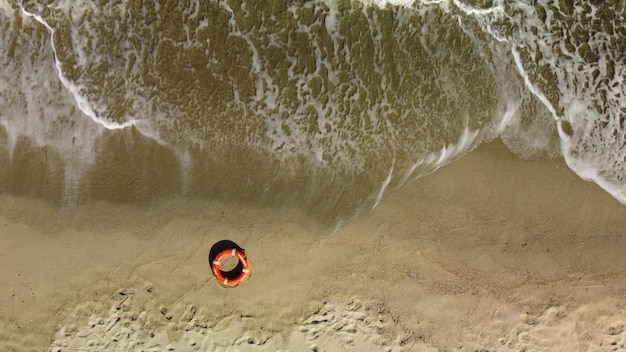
[(489, 253)]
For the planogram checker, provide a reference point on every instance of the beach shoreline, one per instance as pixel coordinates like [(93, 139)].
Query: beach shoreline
[(491, 252)]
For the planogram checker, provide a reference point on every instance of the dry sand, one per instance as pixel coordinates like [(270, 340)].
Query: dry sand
[(491, 253)]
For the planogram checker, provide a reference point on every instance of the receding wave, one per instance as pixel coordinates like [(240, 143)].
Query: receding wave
[(325, 106)]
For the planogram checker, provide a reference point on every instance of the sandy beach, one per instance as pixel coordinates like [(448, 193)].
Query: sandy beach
[(490, 253)]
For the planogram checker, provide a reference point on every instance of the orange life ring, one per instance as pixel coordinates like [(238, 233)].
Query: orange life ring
[(236, 276)]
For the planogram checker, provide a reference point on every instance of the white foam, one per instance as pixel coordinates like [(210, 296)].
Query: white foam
[(6, 8), (43, 106), (404, 3), (37, 109), (467, 141), (82, 103), (531, 86), (381, 192), (589, 94), (331, 18), (496, 6)]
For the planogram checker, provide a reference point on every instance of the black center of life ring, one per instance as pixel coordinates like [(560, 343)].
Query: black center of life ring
[(222, 250)]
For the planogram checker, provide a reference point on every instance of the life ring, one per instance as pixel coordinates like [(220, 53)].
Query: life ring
[(238, 274)]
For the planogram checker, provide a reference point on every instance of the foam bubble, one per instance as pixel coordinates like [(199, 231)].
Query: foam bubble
[(568, 57), (404, 3), (83, 103)]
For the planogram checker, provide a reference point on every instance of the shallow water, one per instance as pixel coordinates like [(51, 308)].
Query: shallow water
[(324, 106), (468, 256)]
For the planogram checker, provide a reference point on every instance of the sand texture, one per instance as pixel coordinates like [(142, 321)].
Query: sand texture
[(491, 253)]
